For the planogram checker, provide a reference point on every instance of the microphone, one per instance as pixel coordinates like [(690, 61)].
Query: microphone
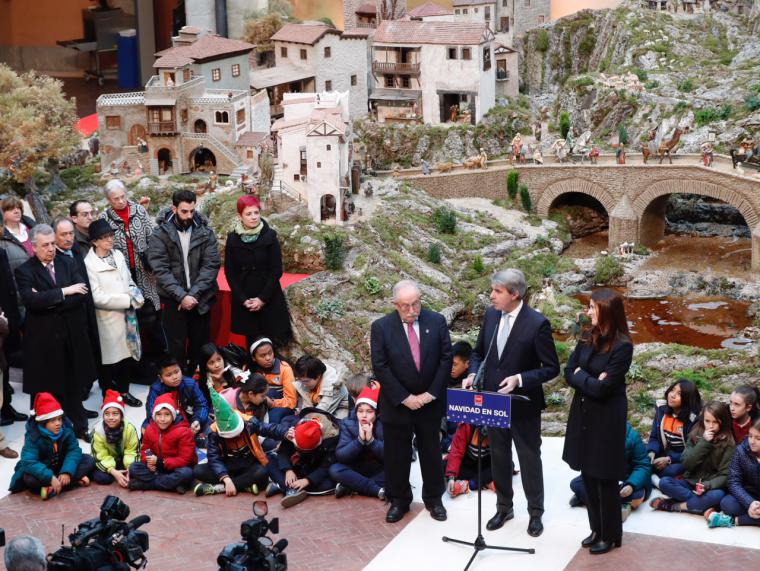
[(138, 521), (477, 383), (280, 546)]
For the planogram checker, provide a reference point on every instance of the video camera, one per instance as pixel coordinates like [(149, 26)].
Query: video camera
[(106, 543), (256, 552)]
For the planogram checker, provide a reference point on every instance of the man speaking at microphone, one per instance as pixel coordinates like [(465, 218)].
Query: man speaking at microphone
[(516, 350)]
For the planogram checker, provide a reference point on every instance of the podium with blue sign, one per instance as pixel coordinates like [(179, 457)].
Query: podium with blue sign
[(481, 409)]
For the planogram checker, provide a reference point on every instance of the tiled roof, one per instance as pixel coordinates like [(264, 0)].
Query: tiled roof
[(302, 33), (429, 9), (357, 33), (416, 32), (251, 138), (458, 3), (205, 48), (331, 116), (367, 8)]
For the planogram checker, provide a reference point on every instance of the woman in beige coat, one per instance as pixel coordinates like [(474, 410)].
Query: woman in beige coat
[(116, 298)]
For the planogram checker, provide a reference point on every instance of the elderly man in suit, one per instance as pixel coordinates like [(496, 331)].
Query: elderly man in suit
[(56, 357), (516, 349), (411, 357)]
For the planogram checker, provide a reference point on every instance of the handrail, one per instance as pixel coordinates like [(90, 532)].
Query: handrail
[(398, 67), (231, 156)]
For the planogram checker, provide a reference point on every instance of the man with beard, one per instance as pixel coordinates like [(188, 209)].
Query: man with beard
[(185, 260)]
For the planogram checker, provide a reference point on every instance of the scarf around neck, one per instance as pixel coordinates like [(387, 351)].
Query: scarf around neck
[(114, 435), (248, 235), (54, 437)]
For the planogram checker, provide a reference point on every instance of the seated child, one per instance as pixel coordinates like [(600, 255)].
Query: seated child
[(745, 408), (192, 405), (250, 398), (462, 351), (318, 386), (51, 460), (359, 455), (742, 504), (167, 455), (236, 460), (636, 487), (115, 443), (281, 398), (672, 422), (216, 370), (301, 466), (709, 449), (461, 466)]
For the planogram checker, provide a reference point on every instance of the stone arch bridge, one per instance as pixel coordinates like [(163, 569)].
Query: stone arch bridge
[(634, 196)]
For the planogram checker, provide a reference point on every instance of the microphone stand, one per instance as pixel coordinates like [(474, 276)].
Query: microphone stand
[(480, 543)]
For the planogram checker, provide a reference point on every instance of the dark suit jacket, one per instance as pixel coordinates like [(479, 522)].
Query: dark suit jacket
[(78, 255), (56, 328), (9, 305), (596, 430), (394, 367), (529, 351)]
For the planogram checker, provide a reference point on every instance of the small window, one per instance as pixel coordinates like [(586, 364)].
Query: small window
[(319, 165), (451, 53), (328, 51), (456, 11), (389, 81), (541, 19), (283, 52), (504, 24), (235, 70), (249, 154), (466, 53), (527, 2), (183, 115), (328, 85), (216, 74), (303, 54), (296, 177), (486, 58), (406, 81), (476, 10), (186, 75), (222, 117), (240, 116), (487, 11), (329, 147), (464, 11), (505, 3), (113, 121), (167, 114), (353, 80)]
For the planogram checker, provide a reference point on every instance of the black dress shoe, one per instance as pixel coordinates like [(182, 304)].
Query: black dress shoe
[(602, 546), (535, 527), (499, 520), (90, 413), (6, 421), (12, 414), (438, 513), (590, 540), (131, 400), (395, 513)]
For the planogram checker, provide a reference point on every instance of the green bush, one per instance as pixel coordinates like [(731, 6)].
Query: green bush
[(752, 103), (478, 265), (525, 198), (564, 124), (373, 285), (583, 81), (755, 87), (607, 269), (587, 44), (445, 220), (332, 308), (623, 135), (651, 84), (685, 86), (512, 179), (644, 402), (334, 250), (641, 250), (542, 41), (704, 117), (642, 74), (434, 254)]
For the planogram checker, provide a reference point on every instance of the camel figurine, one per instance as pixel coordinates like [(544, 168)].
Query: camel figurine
[(477, 161), (663, 149), (444, 167)]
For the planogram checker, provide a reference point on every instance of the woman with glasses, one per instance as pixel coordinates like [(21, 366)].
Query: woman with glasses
[(116, 298)]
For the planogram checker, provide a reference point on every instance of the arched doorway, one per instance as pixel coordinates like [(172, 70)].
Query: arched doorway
[(202, 159), (583, 213), (164, 157), (137, 132), (199, 126), (327, 207)]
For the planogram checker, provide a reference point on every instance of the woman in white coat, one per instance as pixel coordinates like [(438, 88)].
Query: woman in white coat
[(116, 298)]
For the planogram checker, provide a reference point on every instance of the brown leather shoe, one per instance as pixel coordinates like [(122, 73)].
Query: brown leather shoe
[(8, 453)]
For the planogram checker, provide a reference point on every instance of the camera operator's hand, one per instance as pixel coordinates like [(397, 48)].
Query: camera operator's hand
[(300, 484), (55, 483), (229, 487), (120, 476), (64, 479), (290, 477)]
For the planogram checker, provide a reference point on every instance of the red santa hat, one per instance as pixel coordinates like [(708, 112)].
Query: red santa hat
[(165, 401), (46, 407), (308, 435), (112, 399), (368, 396)]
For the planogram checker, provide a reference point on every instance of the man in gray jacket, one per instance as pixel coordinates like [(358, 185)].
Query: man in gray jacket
[(184, 256)]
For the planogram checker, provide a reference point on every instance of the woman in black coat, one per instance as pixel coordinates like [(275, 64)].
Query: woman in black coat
[(595, 436), (253, 266)]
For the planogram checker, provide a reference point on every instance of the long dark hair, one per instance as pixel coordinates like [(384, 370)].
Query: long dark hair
[(722, 414), (691, 400), (611, 323), (751, 396)]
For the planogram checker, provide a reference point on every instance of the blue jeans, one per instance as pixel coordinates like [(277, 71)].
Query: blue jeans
[(681, 491), (165, 481), (579, 489), (366, 479), (671, 470), (731, 506)]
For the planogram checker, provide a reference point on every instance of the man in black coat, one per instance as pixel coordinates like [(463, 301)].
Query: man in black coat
[(12, 343), (411, 357), (516, 350), (56, 357), (82, 214), (185, 259)]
